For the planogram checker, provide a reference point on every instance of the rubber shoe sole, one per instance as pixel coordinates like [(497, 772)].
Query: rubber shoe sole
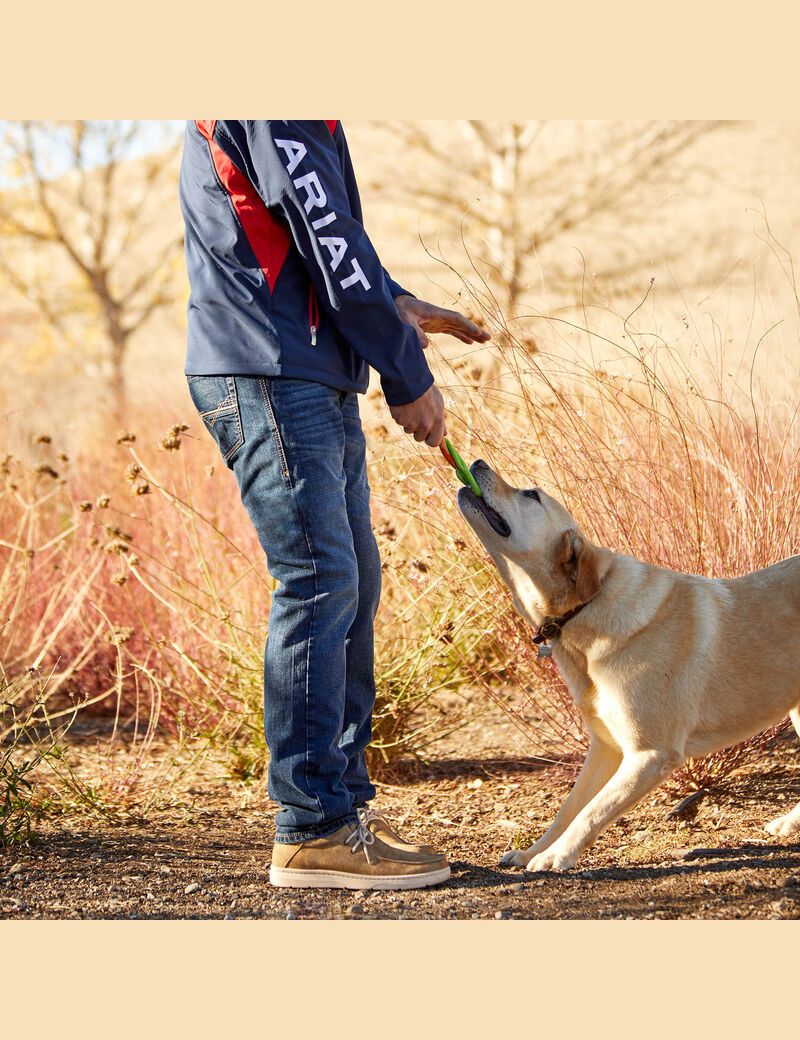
[(285, 877)]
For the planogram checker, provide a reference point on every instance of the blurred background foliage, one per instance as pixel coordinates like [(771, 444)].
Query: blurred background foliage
[(639, 285)]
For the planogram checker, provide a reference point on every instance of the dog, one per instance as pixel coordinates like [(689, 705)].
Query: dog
[(657, 662)]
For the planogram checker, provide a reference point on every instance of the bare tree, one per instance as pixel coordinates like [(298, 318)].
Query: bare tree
[(84, 203), (518, 188)]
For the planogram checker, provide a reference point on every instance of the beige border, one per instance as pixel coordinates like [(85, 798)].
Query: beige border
[(189, 979), (192, 980), (623, 58)]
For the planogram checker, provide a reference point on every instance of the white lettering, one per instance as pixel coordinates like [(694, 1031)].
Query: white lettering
[(315, 196), (324, 221), (337, 247), (357, 276), (295, 153)]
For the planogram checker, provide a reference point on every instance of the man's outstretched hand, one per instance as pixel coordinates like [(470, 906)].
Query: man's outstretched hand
[(425, 318), (423, 418)]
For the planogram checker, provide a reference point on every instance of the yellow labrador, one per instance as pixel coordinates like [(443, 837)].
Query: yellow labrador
[(654, 660)]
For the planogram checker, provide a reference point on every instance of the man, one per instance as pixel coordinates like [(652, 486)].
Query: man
[(289, 309)]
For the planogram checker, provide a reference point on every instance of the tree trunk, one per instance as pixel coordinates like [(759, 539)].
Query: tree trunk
[(504, 235), (116, 403)]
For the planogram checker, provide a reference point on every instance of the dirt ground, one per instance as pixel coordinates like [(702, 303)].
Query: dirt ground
[(211, 861)]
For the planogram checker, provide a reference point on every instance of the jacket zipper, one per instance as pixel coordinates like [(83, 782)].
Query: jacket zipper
[(313, 314)]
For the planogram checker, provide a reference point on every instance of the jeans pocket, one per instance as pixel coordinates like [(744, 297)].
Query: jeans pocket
[(217, 402)]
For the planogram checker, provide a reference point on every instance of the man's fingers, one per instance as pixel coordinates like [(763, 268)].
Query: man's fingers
[(422, 419), (436, 435), (437, 428), (462, 326), (454, 324)]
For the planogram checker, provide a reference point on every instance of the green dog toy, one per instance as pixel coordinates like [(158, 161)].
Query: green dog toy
[(461, 468)]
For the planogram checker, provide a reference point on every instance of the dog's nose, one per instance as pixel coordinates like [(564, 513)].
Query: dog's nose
[(480, 464)]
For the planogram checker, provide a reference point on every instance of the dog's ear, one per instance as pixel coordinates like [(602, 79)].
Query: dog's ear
[(565, 555), (579, 560), (587, 580)]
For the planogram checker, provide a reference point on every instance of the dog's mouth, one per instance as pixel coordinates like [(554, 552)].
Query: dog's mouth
[(497, 523)]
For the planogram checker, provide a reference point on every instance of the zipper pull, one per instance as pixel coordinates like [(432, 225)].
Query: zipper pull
[(313, 314)]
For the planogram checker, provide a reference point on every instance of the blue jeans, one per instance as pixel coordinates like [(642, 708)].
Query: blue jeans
[(298, 452)]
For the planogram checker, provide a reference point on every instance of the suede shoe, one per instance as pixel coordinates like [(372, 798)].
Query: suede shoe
[(357, 858), (382, 829)]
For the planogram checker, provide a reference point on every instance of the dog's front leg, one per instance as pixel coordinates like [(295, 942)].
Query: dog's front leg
[(639, 773), (599, 766), (789, 825)]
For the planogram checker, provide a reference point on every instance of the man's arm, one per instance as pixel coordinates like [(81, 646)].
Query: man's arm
[(295, 167)]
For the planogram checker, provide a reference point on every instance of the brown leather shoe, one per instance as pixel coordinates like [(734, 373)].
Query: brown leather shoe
[(355, 857)]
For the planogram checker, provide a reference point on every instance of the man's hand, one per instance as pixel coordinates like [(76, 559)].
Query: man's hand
[(425, 317), (424, 418)]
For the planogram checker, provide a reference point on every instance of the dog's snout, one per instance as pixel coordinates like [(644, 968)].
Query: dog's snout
[(479, 464)]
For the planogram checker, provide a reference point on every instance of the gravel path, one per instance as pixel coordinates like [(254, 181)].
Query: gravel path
[(212, 861)]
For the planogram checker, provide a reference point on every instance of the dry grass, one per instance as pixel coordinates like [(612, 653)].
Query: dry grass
[(136, 594), (677, 450)]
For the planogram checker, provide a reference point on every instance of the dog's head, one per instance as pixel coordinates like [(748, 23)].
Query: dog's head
[(547, 563)]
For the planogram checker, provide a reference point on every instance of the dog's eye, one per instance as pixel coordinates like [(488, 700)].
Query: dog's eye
[(533, 493)]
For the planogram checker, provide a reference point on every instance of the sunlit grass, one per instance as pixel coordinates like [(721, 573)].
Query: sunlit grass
[(132, 582)]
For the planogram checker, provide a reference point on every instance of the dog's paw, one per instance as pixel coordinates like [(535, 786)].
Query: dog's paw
[(784, 826), (515, 858), (551, 859)]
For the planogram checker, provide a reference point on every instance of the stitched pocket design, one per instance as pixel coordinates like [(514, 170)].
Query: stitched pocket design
[(217, 401)]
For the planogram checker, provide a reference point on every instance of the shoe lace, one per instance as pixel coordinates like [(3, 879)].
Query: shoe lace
[(362, 837), (372, 815)]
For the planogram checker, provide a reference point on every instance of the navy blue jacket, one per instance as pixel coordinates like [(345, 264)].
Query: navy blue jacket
[(284, 280)]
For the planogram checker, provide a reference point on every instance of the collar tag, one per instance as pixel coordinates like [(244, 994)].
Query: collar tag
[(550, 629)]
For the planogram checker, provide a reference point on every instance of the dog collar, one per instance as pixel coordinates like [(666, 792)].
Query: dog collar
[(550, 629)]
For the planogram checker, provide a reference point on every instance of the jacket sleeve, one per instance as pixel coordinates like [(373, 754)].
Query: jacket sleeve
[(295, 167), (395, 289)]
